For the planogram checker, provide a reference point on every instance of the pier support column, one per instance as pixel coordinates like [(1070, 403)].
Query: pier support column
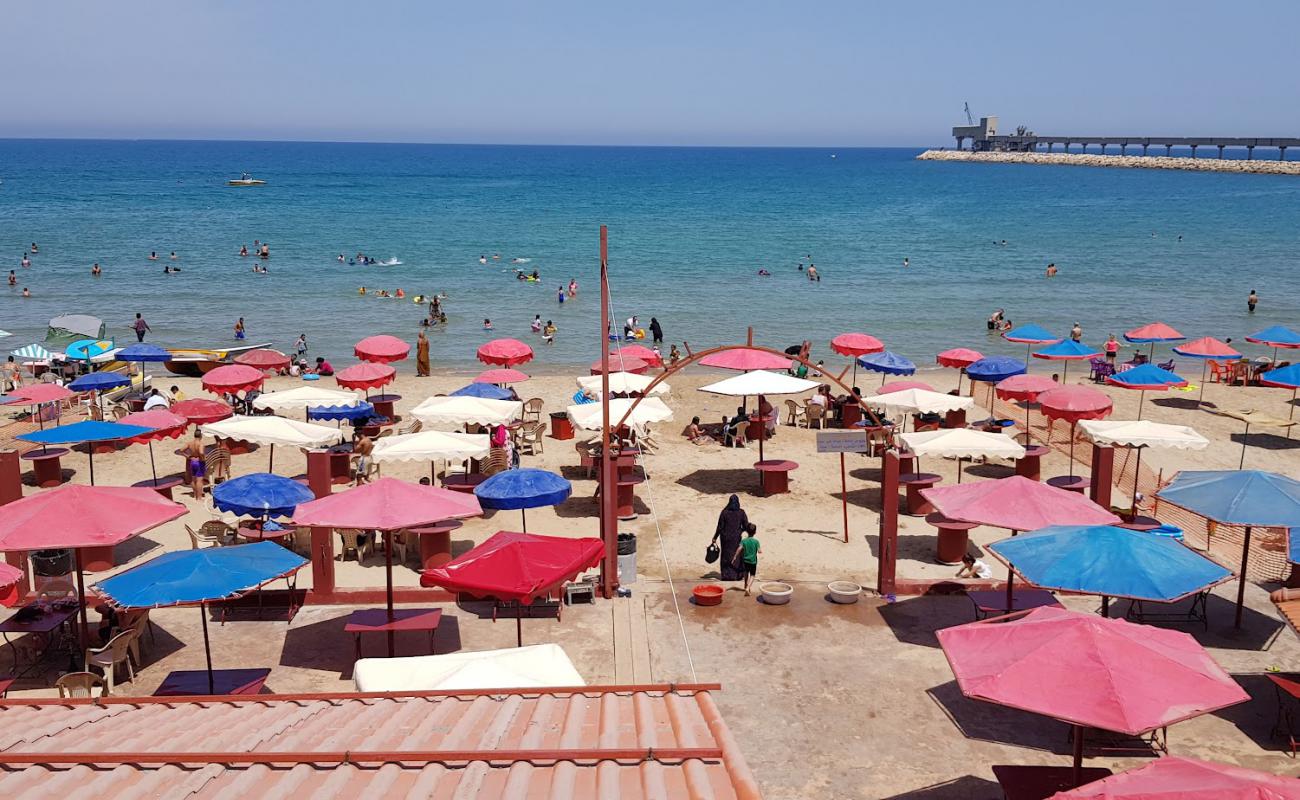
[(1144, 150), (960, 141), (1220, 152), (1281, 154), (1103, 148), (1123, 149), (1250, 152), (1169, 150), (1193, 151)]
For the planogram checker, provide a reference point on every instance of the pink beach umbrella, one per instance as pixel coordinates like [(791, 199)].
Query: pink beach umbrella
[(1207, 349), (903, 386), (233, 379), (501, 377), (1073, 403), (1178, 778), (165, 424), (854, 345), (265, 359), (644, 353), (1025, 388), (746, 359), (505, 353), (621, 363), (367, 375), (381, 349), (958, 358)]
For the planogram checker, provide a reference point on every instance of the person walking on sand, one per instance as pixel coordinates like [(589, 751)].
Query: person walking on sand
[(747, 556), (1252, 301), (732, 522), (422, 355), (141, 327), (361, 452), (195, 467)]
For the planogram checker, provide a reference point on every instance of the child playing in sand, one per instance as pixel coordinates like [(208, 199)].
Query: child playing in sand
[(747, 556)]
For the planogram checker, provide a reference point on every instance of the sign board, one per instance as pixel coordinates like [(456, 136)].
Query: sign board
[(842, 442)]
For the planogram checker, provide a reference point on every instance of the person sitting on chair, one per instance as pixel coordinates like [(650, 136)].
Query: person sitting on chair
[(733, 430)]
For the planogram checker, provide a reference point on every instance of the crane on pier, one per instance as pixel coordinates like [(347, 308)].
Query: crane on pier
[(969, 119)]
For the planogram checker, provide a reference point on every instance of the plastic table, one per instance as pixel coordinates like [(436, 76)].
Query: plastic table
[(340, 464), (850, 415), (375, 620), (435, 542), (462, 482), (42, 627), (162, 486), (914, 482), (1140, 523), (1077, 483), (46, 466), (194, 682), (383, 404), (1030, 465), (1286, 684), (994, 601), (625, 496), (774, 475), (264, 534), (954, 538)]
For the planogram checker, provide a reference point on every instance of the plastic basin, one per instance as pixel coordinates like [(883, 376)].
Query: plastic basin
[(844, 592), (776, 593), (707, 594)]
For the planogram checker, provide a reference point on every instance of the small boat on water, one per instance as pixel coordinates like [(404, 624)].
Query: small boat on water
[(246, 180), (194, 361)]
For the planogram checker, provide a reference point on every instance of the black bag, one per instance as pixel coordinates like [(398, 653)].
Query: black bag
[(712, 553)]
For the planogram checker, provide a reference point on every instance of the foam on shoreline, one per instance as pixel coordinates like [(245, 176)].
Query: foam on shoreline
[(1258, 167)]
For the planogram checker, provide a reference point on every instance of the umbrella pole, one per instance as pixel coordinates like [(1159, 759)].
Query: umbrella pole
[(1142, 396), (1200, 398), (388, 566), (523, 517), (1137, 473), (1072, 424), (1241, 579), (270, 460), (519, 625), (152, 468), (958, 469), (1078, 755), (90, 455), (207, 646), (81, 593), (1029, 437), (1105, 606), (763, 434), (1244, 436), (844, 498), (1291, 416), (1011, 579)]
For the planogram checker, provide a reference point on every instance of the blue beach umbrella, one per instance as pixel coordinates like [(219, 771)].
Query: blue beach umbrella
[(1030, 335), (198, 577), (1109, 561), (887, 363), (486, 391), (143, 352), (99, 382), (86, 349), (86, 431), (1275, 337), (361, 410), (1067, 350), (261, 494), (1249, 498), (523, 489), (992, 369), (1287, 377), (1144, 378)]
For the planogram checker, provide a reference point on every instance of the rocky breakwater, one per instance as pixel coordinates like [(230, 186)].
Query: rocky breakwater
[(1256, 167)]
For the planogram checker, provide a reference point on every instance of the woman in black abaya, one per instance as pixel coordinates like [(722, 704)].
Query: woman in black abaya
[(732, 524)]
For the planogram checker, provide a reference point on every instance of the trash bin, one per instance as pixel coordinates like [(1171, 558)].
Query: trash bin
[(52, 563), (561, 427), (627, 558)]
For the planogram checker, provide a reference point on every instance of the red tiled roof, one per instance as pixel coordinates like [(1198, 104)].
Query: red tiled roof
[(619, 741)]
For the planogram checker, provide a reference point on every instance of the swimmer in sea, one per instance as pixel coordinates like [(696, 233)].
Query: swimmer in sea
[(906, 263), (95, 270), (537, 324), (548, 333), (573, 287), (13, 279), (764, 273), (1051, 270), (25, 262), (173, 256), (243, 249), (812, 273), (341, 259), (487, 324), (167, 269), (496, 256), (26, 293), (482, 259), (535, 276), (153, 256), (239, 328), (35, 249), (400, 293), (361, 290), (559, 295)]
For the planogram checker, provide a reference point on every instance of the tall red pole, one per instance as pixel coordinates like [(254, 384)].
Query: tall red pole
[(608, 493), (844, 498)]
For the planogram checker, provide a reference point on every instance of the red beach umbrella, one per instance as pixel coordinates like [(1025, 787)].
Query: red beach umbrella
[(854, 345), (381, 349), (1178, 778), (1074, 403), (200, 411), (746, 359), (959, 358), (644, 353), (501, 376), (233, 379), (1088, 671), (505, 353), (38, 393), (1017, 504), (264, 359), (1207, 349), (1025, 388), (366, 375), (903, 386), (621, 363), (1152, 333), (165, 424)]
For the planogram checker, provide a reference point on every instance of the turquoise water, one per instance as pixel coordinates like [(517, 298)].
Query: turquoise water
[(689, 229)]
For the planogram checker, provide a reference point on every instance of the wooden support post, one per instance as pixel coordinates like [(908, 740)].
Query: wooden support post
[(1103, 470), (608, 494), (887, 551)]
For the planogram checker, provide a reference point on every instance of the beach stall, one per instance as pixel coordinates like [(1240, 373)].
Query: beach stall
[(958, 358), (1145, 378), (1138, 435), (271, 431), (1207, 349)]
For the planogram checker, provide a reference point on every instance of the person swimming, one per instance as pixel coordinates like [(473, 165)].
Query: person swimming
[(1051, 270), (559, 295), (482, 259), (341, 259), (487, 324), (25, 262), (153, 256), (400, 293), (35, 249), (573, 287), (13, 279), (94, 269), (243, 250), (764, 273), (173, 256), (26, 292)]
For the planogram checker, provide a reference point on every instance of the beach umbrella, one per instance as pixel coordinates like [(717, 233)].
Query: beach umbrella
[(961, 444), (272, 431), (36, 395), (303, 397), (264, 359), (366, 375), (1207, 349), (889, 387), (233, 379), (351, 412), (1276, 337), (199, 577), (98, 382), (1146, 378), (1178, 778), (1025, 388), (646, 354), (261, 495), (386, 505), (887, 363), (1067, 350), (486, 390), (503, 376), (958, 358), (143, 352), (917, 401), (1109, 561), (431, 446), (587, 416), (1074, 403), (516, 567), (467, 411), (85, 432), (744, 359), (162, 424), (854, 345), (381, 349), (87, 349), (1258, 419), (1287, 377), (200, 411), (1249, 498), (523, 489), (1152, 334), (623, 383), (1140, 434), (1030, 335), (760, 383), (1088, 672), (32, 352), (992, 369), (76, 516), (620, 363), (505, 353)]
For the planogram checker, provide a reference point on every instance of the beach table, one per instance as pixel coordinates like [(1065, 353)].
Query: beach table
[(1031, 464), (375, 620), (955, 418), (162, 486), (954, 538), (756, 429), (1286, 685), (42, 627), (1140, 523), (850, 415), (1021, 782), (1195, 612), (383, 404), (561, 425), (253, 534), (774, 475), (340, 463), (914, 482), (104, 448), (626, 496), (46, 466), (435, 542), (194, 682), (1076, 483), (463, 482), (993, 602)]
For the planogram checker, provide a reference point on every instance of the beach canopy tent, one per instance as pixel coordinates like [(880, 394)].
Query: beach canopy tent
[(431, 446), (264, 358), (623, 383), (523, 489), (233, 379), (917, 401), (303, 397), (1110, 562), (367, 375), (1067, 350), (588, 417), (88, 349), (381, 349), (516, 567), (620, 363), (261, 495), (1146, 378), (162, 424), (69, 328), (1152, 333), (901, 386), (86, 431), (503, 376), (1249, 498), (1088, 671), (199, 577), (963, 443), (486, 390), (537, 665), (143, 352), (646, 354), (272, 431), (352, 412), (505, 353), (466, 411), (32, 352), (1178, 778), (958, 358), (745, 359), (76, 516), (887, 363), (200, 411)]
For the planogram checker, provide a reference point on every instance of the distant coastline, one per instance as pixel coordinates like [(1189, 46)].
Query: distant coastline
[(1256, 167)]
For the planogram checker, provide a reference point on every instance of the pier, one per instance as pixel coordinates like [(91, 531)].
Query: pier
[(984, 138)]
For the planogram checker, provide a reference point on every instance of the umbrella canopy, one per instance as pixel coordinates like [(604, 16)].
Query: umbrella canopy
[(963, 443), (1178, 778), (86, 349), (1283, 378), (386, 504), (1067, 350), (889, 387), (621, 363), (646, 354), (261, 494), (200, 411), (161, 422), (33, 352), (99, 382), (143, 352), (9, 575), (1207, 348), (381, 349), (1143, 433), (992, 369), (1074, 403), (273, 431), (623, 383), (74, 515), (466, 410), (856, 344), (745, 359), (760, 382), (504, 375), (191, 577), (1147, 377), (887, 363), (1276, 336), (958, 357), (1024, 386), (431, 446), (588, 416), (1031, 334), (1016, 503), (523, 488), (301, 397), (1109, 561), (519, 567), (917, 401), (233, 379), (38, 393), (89, 430), (264, 359), (366, 375), (1154, 332), (1089, 671), (488, 390), (351, 411), (505, 353)]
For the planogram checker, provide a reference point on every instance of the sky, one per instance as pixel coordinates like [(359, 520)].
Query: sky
[(706, 72)]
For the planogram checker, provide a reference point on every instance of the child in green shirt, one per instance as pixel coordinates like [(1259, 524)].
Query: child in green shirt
[(747, 556)]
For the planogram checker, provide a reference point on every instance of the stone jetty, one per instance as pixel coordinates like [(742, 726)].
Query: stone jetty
[(1256, 167)]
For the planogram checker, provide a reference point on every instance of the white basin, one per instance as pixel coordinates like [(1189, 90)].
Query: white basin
[(844, 592), (776, 593)]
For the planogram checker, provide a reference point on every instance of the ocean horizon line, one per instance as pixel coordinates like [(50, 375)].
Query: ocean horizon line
[(549, 145)]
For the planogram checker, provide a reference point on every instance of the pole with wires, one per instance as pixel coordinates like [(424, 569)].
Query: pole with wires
[(608, 493)]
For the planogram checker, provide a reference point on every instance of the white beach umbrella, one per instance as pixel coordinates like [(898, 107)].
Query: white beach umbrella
[(760, 382), (464, 410), (588, 415), (272, 431), (431, 446), (1141, 433), (963, 443), (918, 401), (303, 397), (622, 383)]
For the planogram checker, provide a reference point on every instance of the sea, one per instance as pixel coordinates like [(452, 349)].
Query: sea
[(916, 253)]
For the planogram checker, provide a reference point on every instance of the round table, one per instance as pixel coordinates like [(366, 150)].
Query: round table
[(626, 496), (162, 486), (263, 534), (954, 538), (1077, 483), (914, 482), (1030, 465), (461, 482), (1140, 523), (774, 475), (435, 542), (46, 466), (383, 404)]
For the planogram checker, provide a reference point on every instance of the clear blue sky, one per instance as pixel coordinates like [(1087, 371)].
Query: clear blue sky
[(661, 72)]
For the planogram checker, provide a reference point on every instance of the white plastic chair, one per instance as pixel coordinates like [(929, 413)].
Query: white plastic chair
[(108, 657)]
